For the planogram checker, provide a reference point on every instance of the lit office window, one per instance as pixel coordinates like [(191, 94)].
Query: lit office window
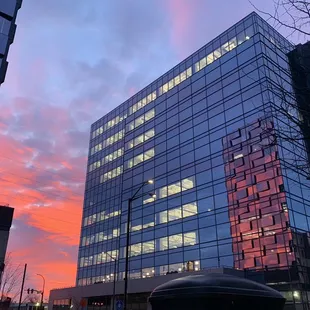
[(101, 216), (111, 174), (82, 262), (88, 261), (114, 121), (176, 81), (163, 217), (108, 125), (190, 209), (83, 242), (112, 156), (140, 158), (190, 238), (99, 237), (112, 139), (148, 247), (116, 137), (149, 200), (97, 132), (163, 243), (96, 149), (174, 188), (142, 103), (216, 54), (175, 214), (94, 166), (135, 249), (178, 240), (140, 139), (175, 241), (177, 187), (141, 120), (136, 228)]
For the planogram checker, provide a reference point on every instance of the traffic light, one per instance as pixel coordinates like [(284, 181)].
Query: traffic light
[(28, 291), (32, 291)]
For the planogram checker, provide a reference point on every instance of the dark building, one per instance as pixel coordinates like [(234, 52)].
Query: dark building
[(8, 13), (299, 60), (6, 217), (227, 194)]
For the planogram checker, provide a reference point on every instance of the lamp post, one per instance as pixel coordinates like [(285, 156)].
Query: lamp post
[(42, 294), (130, 200)]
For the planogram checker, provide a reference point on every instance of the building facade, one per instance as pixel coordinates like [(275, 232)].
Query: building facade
[(216, 137), (8, 13), (6, 217)]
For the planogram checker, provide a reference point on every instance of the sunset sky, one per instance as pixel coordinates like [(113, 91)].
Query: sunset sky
[(71, 62)]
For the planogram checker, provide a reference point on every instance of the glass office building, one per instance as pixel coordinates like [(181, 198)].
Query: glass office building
[(213, 136), (8, 13)]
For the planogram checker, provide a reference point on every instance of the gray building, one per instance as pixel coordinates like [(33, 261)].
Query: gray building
[(6, 217), (225, 157), (8, 13)]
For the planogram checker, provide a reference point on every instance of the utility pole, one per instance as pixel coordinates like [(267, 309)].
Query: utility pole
[(22, 288)]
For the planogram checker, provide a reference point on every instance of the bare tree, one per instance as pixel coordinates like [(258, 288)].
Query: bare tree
[(11, 279), (293, 15)]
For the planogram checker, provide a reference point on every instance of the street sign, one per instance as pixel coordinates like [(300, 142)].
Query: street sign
[(119, 305)]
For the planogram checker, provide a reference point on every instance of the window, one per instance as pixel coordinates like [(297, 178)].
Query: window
[(189, 209), (113, 156), (94, 166), (140, 139), (177, 187), (225, 48), (190, 238), (135, 249), (163, 244), (108, 125), (97, 132), (175, 241), (114, 121), (148, 247), (176, 81), (112, 139), (163, 217), (99, 217), (142, 103), (140, 158), (175, 214), (111, 174), (178, 213), (96, 149), (141, 120)]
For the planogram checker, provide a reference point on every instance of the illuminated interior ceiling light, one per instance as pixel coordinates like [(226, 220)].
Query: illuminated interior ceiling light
[(196, 263), (150, 181), (153, 271), (238, 156)]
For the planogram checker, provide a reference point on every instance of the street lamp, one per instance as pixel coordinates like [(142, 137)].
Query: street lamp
[(130, 200), (42, 293)]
